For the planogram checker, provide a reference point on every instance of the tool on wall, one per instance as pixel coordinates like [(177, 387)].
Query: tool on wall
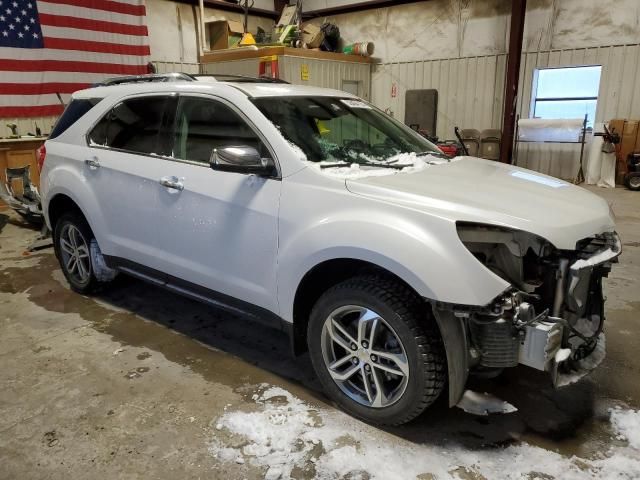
[(14, 130)]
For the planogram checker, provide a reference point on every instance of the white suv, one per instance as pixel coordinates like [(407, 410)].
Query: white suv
[(401, 271)]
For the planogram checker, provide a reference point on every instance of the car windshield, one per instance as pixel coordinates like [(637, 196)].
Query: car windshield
[(332, 129)]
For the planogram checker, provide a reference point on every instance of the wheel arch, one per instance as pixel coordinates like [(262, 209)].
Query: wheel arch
[(328, 273)]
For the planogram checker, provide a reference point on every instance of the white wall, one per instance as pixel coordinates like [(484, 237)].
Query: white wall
[(172, 28), (437, 29)]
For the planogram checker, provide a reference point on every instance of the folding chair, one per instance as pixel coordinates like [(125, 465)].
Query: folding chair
[(471, 140), (490, 144)]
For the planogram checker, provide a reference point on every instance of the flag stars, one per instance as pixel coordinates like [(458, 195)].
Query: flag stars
[(24, 13), (32, 20), (8, 10), (27, 27), (29, 5), (5, 34), (12, 27), (20, 34), (35, 35), (15, 4), (18, 20), (2, 17)]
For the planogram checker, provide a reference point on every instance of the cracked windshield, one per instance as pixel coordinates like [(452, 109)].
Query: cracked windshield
[(337, 131)]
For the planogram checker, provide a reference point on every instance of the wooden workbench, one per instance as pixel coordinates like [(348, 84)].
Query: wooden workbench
[(242, 53), (18, 152)]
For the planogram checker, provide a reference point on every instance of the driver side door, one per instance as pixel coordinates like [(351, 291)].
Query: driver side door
[(217, 229)]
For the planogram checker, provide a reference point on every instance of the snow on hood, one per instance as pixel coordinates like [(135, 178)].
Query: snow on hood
[(411, 162)]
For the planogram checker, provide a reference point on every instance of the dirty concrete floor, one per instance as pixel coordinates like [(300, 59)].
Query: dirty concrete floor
[(131, 382)]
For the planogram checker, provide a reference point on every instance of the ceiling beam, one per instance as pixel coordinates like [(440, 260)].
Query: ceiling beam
[(354, 7), (234, 7)]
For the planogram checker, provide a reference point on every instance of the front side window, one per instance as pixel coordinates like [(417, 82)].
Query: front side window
[(134, 125), (203, 125), (570, 92), (340, 129)]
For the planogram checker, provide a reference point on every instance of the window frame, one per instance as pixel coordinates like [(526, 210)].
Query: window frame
[(170, 123), (535, 98), (171, 104)]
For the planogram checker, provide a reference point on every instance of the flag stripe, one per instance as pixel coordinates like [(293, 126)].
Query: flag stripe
[(31, 111), (94, 25), (105, 47), (70, 66), (68, 55), (87, 13), (33, 100), (41, 88), (105, 5), (53, 77), (90, 36)]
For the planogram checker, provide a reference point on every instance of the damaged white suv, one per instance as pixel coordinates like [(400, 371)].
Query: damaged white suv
[(401, 271)]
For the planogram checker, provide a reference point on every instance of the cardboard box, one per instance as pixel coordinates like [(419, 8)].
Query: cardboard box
[(312, 35), (224, 33)]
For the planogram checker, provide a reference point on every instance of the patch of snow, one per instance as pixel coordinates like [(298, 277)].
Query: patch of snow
[(483, 404), (627, 424), (562, 354), (118, 351), (411, 162), (600, 257), (285, 432)]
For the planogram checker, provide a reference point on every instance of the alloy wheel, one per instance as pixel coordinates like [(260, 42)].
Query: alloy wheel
[(74, 251), (364, 356)]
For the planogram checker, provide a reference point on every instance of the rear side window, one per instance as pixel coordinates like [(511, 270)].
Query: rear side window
[(76, 109), (134, 126)]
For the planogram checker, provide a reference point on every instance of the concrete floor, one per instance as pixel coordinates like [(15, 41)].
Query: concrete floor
[(134, 381)]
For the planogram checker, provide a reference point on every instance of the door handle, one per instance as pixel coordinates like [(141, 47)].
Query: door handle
[(92, 162), (172, 182)]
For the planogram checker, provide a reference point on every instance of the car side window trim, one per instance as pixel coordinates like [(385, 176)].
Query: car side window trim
[(241, 114), (171, 104)]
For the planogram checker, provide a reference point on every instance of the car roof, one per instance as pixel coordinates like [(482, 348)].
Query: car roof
[(211, 86)]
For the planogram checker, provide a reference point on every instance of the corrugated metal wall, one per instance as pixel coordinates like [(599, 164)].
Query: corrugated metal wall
[(322, 73), (247, 67), (470, 90), (327, 73), (184, 67), (471, 94)]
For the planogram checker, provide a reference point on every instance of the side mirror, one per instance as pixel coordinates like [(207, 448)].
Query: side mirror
[(241, 159)]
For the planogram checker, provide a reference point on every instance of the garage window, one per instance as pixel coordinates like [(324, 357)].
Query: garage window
[(568, 92)]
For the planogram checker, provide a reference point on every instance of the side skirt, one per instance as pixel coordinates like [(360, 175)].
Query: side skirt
[(197, 292)]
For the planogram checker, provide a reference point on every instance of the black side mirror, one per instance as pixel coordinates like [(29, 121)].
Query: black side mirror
[(241, 159)]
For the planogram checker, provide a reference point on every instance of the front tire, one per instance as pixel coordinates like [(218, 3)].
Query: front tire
[(72, 238), (377, 350)]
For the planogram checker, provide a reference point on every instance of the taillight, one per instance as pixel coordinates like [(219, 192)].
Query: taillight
[(40, 154)]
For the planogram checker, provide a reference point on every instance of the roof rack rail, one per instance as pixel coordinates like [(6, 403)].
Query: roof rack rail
[(154, 77), (223, 77)]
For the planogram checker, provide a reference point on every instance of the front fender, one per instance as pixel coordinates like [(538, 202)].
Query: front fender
[(422, 250)]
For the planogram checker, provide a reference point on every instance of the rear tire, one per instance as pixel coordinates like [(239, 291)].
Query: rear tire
[(632, 181), (72, 238), (382, 338)]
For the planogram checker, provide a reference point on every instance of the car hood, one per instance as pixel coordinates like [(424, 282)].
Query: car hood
[(475, 190)]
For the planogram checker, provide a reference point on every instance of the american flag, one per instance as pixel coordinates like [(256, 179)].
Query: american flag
[(59, 46)]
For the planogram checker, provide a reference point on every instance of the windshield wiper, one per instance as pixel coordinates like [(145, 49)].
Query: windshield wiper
[(435, 154)]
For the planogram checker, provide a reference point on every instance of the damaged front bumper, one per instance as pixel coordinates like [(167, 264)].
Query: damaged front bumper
[(551, 322)]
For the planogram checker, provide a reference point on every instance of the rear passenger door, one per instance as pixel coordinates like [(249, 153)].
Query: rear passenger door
[(123, 166)]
